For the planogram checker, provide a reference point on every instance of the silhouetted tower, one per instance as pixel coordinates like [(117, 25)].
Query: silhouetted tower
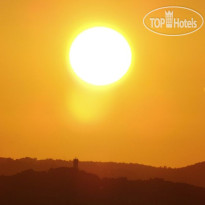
[(75, 163)]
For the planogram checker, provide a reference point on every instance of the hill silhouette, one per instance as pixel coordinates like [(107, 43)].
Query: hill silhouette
[(68, 186), (194, 174)]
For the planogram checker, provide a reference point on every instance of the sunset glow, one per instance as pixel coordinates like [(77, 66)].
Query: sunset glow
[(87, 79)]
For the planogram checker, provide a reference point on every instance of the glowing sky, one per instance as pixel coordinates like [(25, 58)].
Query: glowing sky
[(155, 115)]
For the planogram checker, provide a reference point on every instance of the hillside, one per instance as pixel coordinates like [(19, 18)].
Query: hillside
[(68, 186), (194, 174)]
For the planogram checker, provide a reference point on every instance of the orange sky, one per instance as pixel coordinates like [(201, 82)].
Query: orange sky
[(155, 115)]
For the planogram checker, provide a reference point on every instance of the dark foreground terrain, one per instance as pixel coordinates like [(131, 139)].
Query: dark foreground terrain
[(68, 186)]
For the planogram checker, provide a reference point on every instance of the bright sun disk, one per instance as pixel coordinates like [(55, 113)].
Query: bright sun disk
[(100, 56)]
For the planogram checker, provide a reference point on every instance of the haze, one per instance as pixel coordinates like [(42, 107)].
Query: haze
[(155, 115)]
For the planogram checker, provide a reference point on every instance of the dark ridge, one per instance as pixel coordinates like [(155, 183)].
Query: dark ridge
[(193, 174), (69, 186)]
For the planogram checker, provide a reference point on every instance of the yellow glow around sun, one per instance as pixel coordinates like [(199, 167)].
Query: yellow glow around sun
[(100, 56)]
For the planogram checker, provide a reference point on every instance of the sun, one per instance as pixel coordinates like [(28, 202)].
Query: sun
[(100, 56)]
